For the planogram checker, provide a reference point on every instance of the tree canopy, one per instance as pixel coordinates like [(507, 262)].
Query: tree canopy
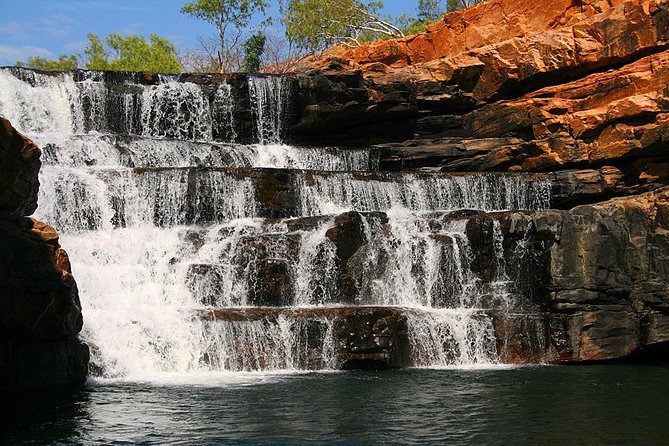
[(429, 10), (63, 63), (117, 53), (318, 24), (231, 19), (254, 47), (132, 53)]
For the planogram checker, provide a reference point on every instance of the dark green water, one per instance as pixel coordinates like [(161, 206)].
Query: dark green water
[(533, 405)]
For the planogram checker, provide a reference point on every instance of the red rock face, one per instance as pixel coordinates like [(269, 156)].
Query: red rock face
[(534, 86), (498, 25)]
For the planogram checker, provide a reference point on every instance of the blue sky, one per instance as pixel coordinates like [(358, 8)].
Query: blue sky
[(50, 27)]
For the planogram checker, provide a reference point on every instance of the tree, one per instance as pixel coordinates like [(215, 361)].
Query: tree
[(133, 53), (254, 47), (117, 53), (454, 5), (231, 18), (429, 10), (318, 24), (96, 54), (63, 63)]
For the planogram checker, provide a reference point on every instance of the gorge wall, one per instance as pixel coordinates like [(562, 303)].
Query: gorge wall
[(41, 314), (495, 190), (575, 89)]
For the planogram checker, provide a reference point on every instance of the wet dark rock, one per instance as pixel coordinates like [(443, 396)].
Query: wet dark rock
[(600, 275), (364, 337), (272, 284)]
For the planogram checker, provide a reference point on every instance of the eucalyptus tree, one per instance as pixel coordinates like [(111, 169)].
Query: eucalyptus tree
[(319, 24), (231, 19)]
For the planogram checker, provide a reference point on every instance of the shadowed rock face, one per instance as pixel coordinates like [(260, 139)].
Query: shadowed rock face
[(591, 282), (20, 161), (41, 314), (600, 273)]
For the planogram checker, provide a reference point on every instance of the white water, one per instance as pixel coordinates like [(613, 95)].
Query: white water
[(152, 248), (268, 100), (340, 192), (107, 151)]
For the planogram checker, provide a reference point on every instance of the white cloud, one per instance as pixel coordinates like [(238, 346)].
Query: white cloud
[(56, 25), (13, 31), (9, 55)]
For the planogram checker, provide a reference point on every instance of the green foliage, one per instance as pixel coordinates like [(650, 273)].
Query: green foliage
[(455, 5), (231, 19), (96, 54), (254, 47), (117, 53), (318, 24), (429, 10), (63, 63), (133, 53)]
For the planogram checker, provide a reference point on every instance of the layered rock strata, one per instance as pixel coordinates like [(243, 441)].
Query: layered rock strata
[(577, 90), (592, 284), (41, 314)]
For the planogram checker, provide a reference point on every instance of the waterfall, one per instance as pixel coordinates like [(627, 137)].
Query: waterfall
[(268, 105), (57, 105), (176, 110), (41, 104), (181, 271), (487, 192), (222, 113)]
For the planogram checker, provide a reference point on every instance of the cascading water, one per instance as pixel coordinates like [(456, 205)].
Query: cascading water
[(268, 97), (165, 230)]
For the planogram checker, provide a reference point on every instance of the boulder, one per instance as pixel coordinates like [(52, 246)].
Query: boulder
[(40, 315)]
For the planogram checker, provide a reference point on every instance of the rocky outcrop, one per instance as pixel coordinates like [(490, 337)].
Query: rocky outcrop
[(504, 85), (20, 161), (576, 90), (41, 314), (599, 274)]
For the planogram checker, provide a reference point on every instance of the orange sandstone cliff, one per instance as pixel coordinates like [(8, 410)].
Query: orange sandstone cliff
[(577, 89)]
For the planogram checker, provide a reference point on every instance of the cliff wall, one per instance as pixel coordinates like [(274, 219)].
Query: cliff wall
[(575, 88), (41, 315)]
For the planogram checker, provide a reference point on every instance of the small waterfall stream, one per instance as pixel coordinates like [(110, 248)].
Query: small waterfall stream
[(175, 254)]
